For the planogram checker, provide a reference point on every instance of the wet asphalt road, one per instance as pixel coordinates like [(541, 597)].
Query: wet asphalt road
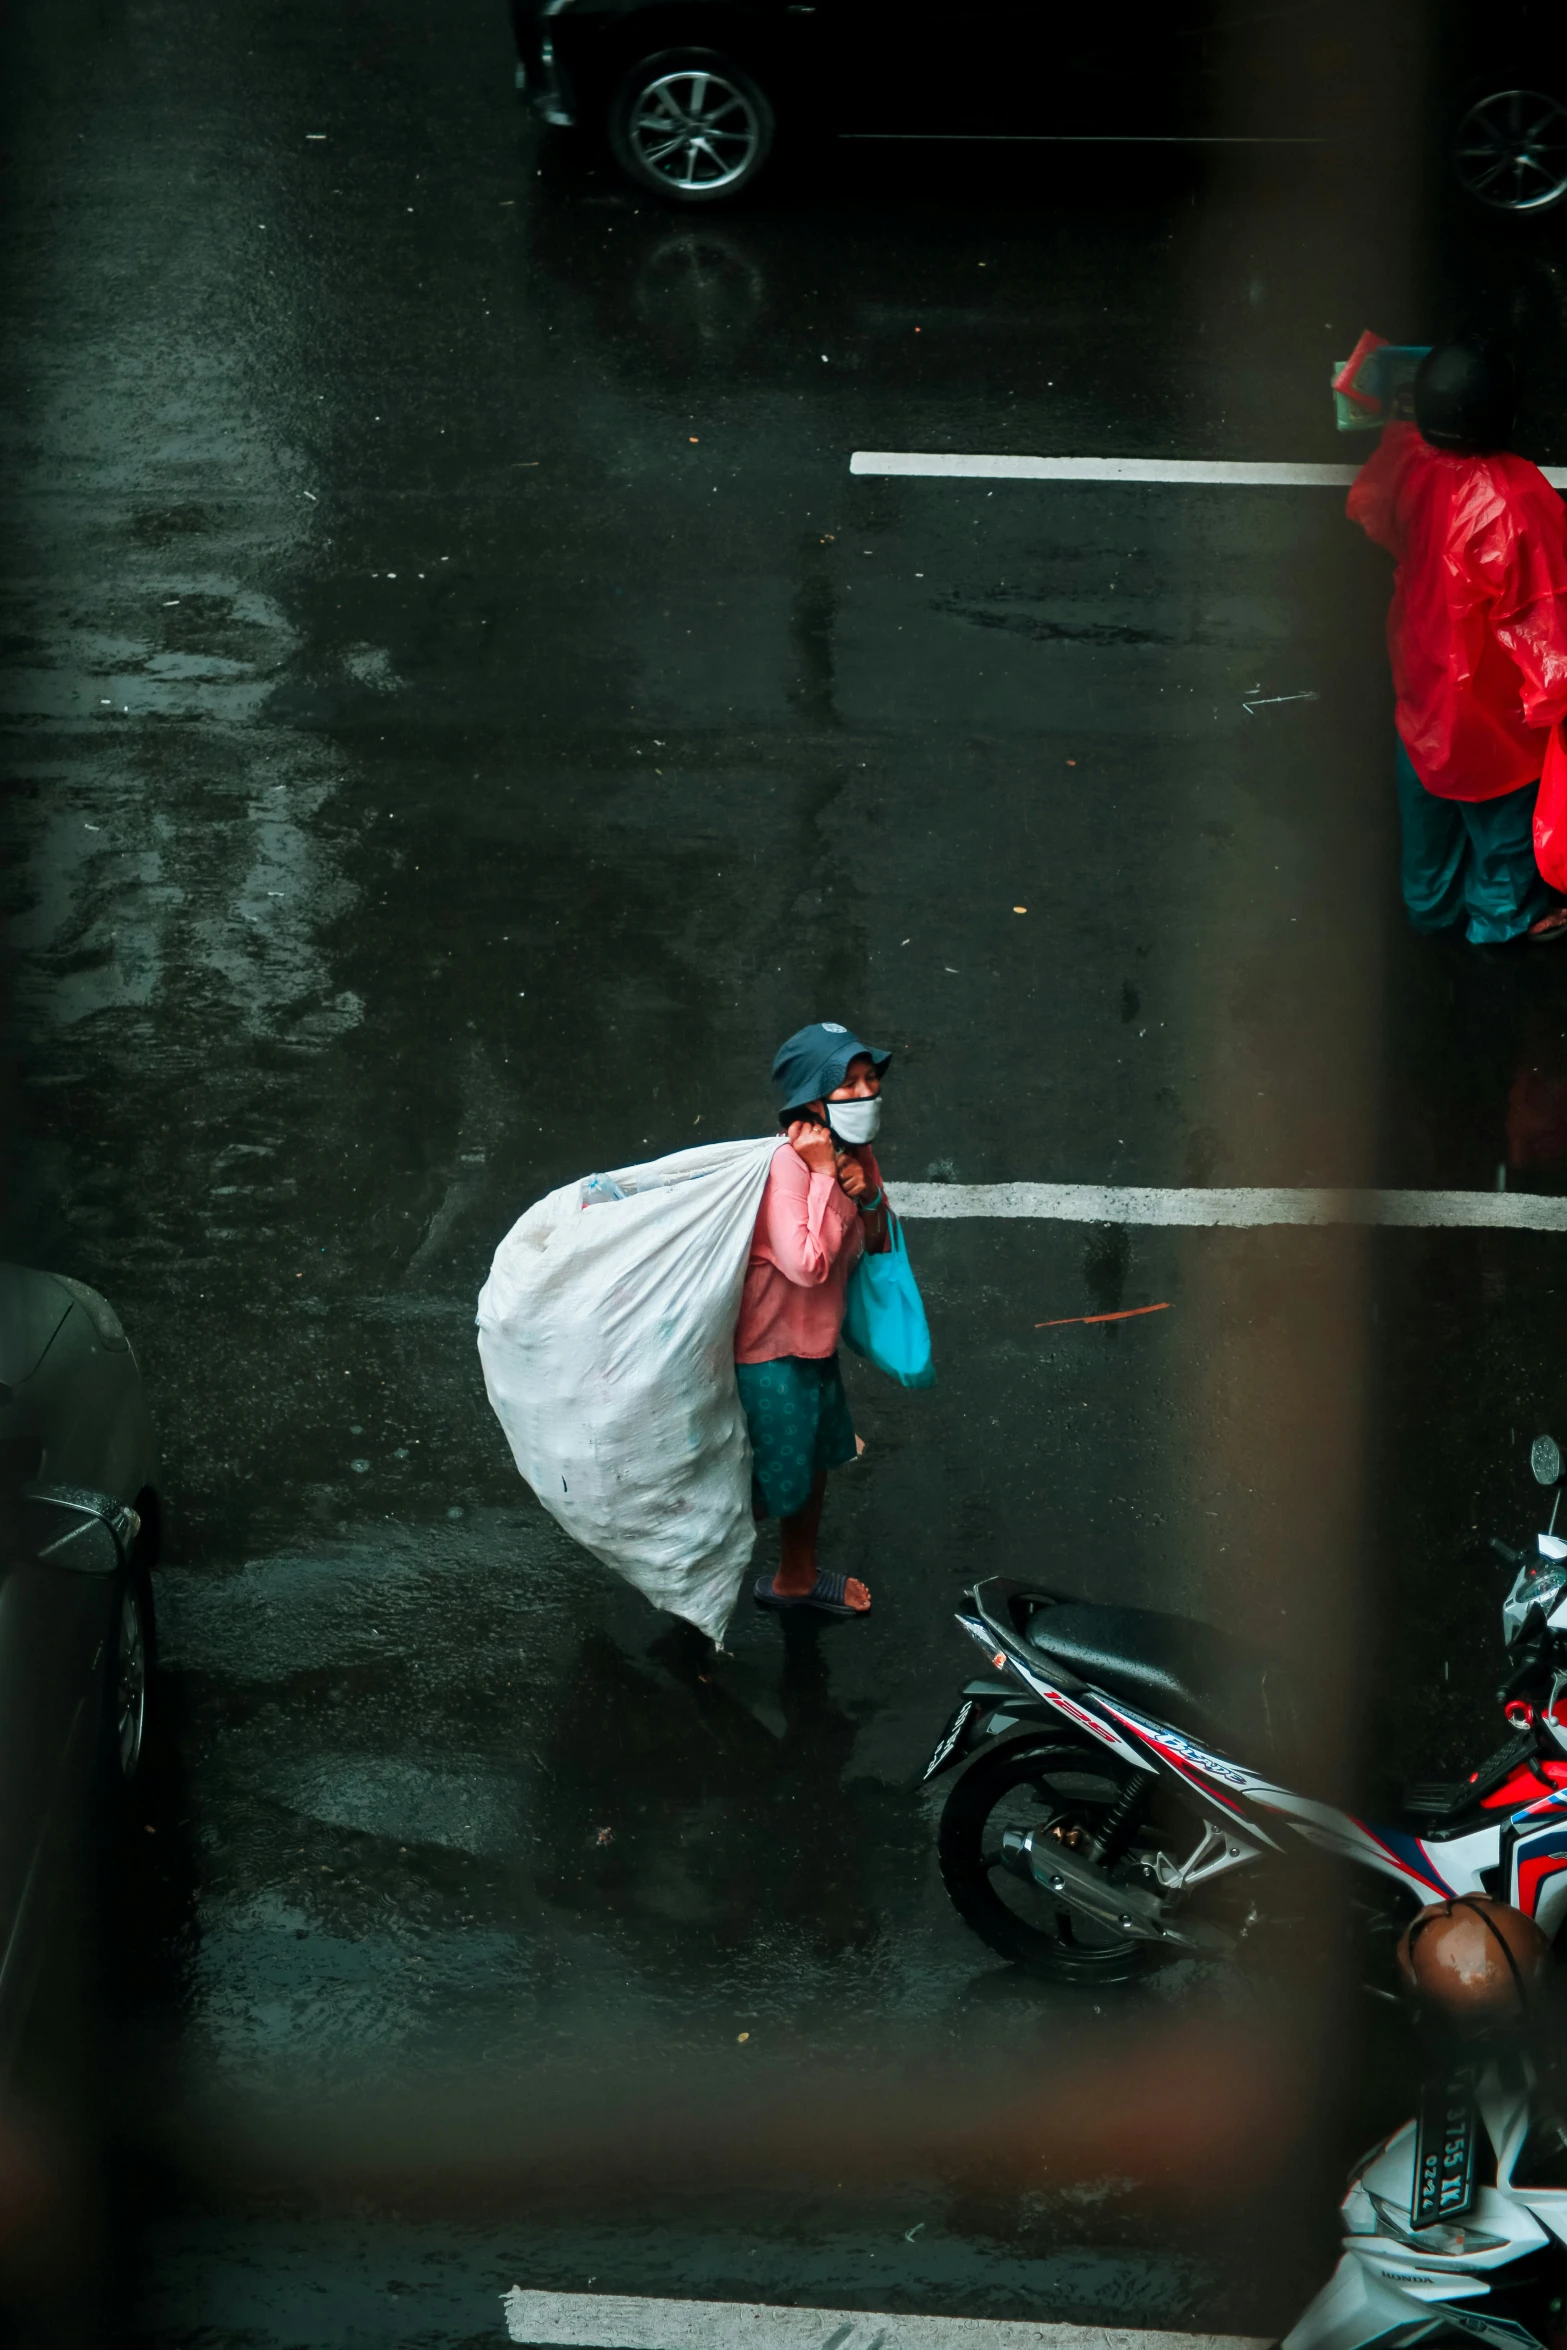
[(463, 713)]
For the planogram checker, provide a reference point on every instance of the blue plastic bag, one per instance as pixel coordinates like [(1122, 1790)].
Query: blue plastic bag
[(884, 1314)]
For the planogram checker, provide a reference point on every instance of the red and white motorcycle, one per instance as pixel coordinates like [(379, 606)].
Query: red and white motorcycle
[(1128, 1782)]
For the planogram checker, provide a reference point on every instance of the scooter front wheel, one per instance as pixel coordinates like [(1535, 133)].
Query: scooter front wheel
[(1061, 1789)]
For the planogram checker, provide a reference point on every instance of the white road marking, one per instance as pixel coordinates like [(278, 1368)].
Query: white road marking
[(1197, 470), (1114, 1203), (1217, 472), (614, 2321), (1090, 138)]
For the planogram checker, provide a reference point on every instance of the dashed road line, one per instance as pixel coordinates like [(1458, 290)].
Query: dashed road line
[(614, 2321), (1114, 1203)]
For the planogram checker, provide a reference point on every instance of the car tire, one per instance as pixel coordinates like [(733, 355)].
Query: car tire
[(129, 1676), (1508, 151), (691, 126)]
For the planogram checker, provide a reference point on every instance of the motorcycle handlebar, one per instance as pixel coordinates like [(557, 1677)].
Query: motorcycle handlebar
[(1544, 1656)]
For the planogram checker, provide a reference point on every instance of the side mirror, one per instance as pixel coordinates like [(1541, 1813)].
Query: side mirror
[(1545, 1459), (72, 1527)]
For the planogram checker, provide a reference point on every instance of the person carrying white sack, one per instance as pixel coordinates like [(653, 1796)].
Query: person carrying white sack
[(608, 1331), (821, 1209)]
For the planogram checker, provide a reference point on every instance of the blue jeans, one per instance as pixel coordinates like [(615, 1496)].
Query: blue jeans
[(1469, 859)]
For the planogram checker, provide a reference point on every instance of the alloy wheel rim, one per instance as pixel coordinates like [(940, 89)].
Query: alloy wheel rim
[(695, 131), (1511, 151), (130, 1709)]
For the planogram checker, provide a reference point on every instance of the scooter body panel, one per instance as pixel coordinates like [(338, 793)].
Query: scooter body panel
[(1402, 2284)]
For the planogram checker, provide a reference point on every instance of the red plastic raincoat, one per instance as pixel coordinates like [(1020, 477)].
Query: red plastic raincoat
[(1478, 627)]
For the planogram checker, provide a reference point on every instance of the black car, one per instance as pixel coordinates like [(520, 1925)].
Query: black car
[(693, 94), (78, 1541)]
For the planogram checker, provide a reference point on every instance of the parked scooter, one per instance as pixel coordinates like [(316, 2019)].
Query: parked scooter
[(1494, 2269), (1455, 2225), (1128, 1787)]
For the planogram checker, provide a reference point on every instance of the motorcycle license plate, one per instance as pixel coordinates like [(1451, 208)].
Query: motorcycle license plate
[(951, 1739), (1445, 2149)]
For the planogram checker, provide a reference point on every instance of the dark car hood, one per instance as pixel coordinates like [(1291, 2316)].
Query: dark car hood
[(32, 1308)]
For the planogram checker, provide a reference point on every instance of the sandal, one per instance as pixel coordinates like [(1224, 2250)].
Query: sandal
[(825, 1597)]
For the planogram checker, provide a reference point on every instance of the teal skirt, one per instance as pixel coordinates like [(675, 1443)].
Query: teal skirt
[(799, 1420)]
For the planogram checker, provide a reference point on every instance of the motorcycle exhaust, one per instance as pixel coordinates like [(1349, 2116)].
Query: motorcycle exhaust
[(1124, 1909)]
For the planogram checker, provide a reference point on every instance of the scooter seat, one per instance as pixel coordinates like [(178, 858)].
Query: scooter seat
[(1223, 1691)]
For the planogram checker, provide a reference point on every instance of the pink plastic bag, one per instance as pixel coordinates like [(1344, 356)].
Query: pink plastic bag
[(1550, 813)]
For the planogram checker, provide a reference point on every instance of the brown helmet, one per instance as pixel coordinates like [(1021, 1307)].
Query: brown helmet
[(1476, 1960)]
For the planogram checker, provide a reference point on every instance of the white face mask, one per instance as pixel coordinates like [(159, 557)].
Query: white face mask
[(855, 1121)]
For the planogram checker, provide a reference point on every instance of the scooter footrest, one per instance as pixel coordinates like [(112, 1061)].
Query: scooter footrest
[(1448, 1798), (1435, 1798)]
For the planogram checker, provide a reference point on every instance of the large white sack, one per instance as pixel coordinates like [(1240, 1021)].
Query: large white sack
[(606, 1334)]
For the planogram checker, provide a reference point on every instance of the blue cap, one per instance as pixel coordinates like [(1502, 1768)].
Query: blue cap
[(815, 1060)]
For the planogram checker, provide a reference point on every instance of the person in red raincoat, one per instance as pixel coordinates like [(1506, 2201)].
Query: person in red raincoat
[(1478, 638)]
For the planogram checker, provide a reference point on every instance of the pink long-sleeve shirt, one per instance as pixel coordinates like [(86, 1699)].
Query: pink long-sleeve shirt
[(807, 1237)]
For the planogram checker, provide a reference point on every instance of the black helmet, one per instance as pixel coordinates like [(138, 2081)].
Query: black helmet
[(1465, 397)]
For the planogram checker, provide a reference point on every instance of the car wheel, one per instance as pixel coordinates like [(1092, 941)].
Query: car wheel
[(691, 125), (128, 1683), (1510, 151)]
